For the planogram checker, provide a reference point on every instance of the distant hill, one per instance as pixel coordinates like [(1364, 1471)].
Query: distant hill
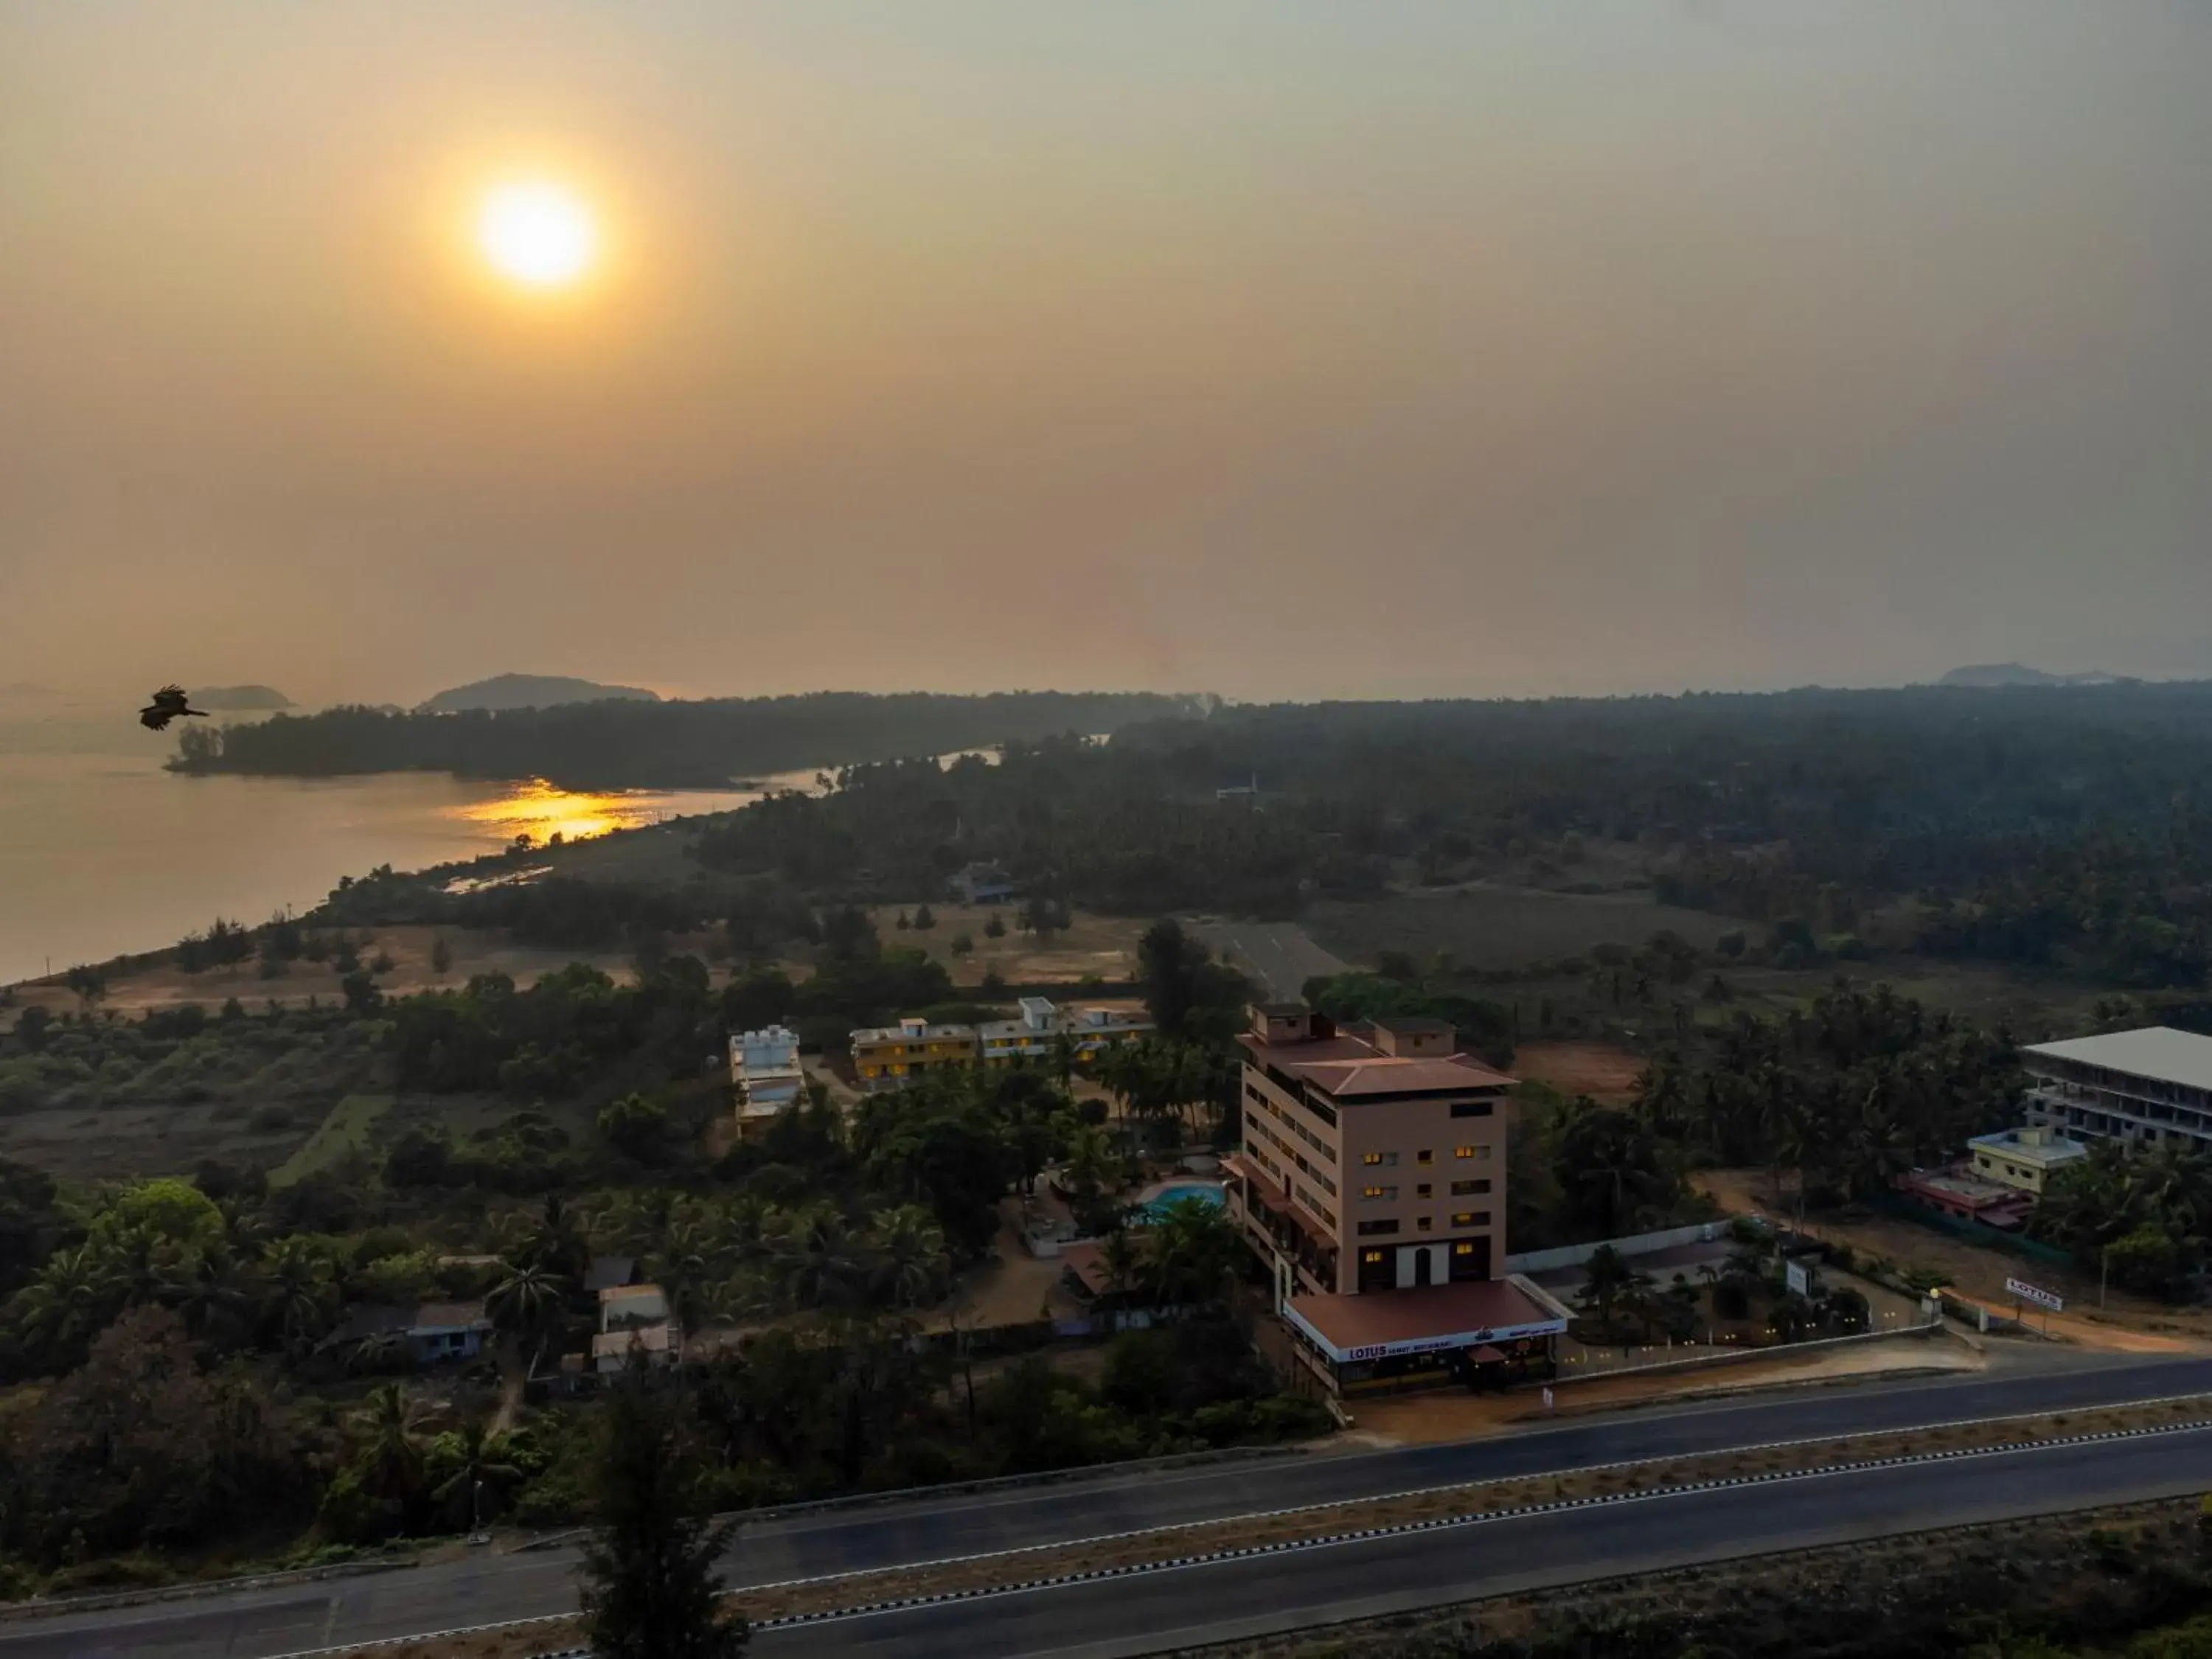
[(530, 691), (233, 699), (2013, 674)]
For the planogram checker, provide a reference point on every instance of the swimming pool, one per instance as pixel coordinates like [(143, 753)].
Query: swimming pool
[(1156, 1206)]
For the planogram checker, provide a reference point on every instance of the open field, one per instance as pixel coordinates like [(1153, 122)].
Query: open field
[(1603, 1071), (1490, 926), (1103, 946), (473, 951), (76, 1143), (345, 1132)]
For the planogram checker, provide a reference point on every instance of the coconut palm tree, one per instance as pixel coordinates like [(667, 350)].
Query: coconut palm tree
[(819, 1265), (909, 1248), (298, 1292), (391, 1454), (480, 1463), (1196, 1250), (527, 1301), (75, 1295)]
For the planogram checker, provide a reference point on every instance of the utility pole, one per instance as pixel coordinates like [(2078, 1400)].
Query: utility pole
[(2104, 1272)]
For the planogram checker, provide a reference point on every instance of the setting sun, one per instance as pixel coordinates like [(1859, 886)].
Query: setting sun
[(538, 234)]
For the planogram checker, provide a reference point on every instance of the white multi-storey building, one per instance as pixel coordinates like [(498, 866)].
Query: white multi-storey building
[(2143, 1087)]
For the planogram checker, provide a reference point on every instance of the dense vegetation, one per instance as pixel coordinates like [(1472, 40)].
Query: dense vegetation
[(2041, 827), (616, 743)]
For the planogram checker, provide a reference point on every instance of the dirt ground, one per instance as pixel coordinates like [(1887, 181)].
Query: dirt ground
[(473, 952), (1104, 945), (2126, 1323), (1016, 1289), (1444, 1416), (1603, 1071)]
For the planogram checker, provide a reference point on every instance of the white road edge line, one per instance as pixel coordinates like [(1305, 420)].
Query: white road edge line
[(869, 1610)]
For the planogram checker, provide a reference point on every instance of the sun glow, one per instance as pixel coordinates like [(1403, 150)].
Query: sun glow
[(538, 234)]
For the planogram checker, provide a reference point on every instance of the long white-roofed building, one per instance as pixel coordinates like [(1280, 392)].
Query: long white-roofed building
[(2144, 1087)]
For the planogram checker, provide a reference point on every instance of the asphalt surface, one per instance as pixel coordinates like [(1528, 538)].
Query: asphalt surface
[(1178, 1608), (257, 1623)]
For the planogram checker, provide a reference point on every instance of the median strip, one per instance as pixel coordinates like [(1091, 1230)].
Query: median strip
[(1200, 1543)]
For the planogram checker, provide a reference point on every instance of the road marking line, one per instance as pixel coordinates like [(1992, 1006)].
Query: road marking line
[(1336, 1540)]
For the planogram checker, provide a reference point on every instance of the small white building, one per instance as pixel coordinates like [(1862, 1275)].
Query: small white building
[(765, 1070), (1035, 1036)]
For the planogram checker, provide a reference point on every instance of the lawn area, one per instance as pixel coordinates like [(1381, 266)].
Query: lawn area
[(344, 1133)]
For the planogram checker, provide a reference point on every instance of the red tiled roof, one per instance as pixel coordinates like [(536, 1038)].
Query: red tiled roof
[(1386, 1074), (1087, 1261), (1473, 1314)]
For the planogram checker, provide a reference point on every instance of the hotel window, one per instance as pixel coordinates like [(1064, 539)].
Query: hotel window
[(1373, 1258), (1471, 1219), (1385, 1160), (1376, 1229), (1378, 1192), (1425, 1222), (1425, 1155), (1469, 1189), (1425, 1190), (1461, 1248), (1462, 1152)]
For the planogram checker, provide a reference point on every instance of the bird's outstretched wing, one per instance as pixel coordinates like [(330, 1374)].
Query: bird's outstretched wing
[(168, 703)]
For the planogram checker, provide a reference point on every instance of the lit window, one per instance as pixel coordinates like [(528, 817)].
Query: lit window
[(1373, 1258), (1462, 1152), (1463, 1218), (1462, 1249), (1372, 1159), (1378, 1192)]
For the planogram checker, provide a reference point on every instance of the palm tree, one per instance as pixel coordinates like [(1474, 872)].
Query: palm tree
[(207, 1289), (392, 1456), (1609, 1275), (558, 1242), (1091, 1170), (820, 1267), (911, 1249), (481, 1461), (298, 1292), (74, 1295), (527, 1301), (1196, 1250)]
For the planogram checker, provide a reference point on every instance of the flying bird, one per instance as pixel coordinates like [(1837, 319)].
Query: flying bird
[(168, 703)]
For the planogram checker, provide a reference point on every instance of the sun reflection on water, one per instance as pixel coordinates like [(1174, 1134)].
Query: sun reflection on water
[(541, 812)]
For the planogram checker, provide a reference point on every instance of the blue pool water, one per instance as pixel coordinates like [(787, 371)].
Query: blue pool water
[(1157, 1205)]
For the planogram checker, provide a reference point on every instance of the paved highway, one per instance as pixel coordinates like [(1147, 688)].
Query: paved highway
[(256, 1623), (1176, 1608)]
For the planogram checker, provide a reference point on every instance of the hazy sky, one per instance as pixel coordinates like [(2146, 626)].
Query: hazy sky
[(1277, 350)]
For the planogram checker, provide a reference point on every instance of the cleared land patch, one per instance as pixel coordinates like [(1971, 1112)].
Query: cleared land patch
[(344, 1132)]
